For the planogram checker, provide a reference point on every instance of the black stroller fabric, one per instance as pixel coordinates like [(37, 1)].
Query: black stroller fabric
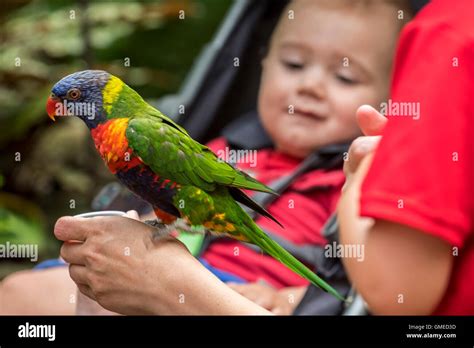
[(229, 91)]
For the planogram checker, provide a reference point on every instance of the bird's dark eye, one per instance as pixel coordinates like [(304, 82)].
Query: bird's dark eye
[(73, 94)]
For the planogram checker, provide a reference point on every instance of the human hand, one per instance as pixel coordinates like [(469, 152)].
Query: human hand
[(88, 306), (287, 299), (259, 293), (372, 123), (110, 260), (280, 302)]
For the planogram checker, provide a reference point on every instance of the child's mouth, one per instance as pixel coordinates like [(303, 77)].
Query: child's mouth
[(310, 114)]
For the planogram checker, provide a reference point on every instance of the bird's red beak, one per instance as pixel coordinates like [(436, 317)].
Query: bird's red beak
[(51, 106)]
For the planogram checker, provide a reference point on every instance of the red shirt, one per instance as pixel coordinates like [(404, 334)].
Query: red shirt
[(303, 209), (422, 175)]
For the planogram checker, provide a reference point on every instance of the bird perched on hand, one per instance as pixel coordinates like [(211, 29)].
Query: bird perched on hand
[(157, 160)]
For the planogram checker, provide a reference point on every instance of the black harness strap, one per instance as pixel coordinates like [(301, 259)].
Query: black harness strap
[(329, 157)]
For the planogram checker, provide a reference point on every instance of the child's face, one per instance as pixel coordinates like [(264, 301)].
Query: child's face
[(322, 65)]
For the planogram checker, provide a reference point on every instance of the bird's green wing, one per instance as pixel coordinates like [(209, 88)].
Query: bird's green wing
[(173, 154)]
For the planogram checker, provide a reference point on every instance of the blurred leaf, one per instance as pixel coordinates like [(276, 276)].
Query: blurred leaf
[(20, 221), (15, 229)]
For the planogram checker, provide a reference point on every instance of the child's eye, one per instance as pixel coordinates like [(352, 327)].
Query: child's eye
[(293, 65), (345, 80)]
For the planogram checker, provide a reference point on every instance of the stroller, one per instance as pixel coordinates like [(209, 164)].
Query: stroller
[(215, 100)]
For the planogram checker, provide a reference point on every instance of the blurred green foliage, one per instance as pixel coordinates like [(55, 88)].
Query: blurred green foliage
[(20, 221), (45, 166)]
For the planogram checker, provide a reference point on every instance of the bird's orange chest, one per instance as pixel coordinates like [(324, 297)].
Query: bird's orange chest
[(112, 144)]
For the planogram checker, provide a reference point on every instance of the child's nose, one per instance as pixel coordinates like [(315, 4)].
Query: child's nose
[(313, 83)]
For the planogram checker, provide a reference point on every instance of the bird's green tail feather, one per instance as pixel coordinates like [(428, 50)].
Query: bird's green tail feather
[(278, 252)]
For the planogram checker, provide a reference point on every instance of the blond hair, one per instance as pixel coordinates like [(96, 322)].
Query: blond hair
[(403, 11)]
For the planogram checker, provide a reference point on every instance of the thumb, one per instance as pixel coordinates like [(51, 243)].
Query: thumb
[(370, 121)]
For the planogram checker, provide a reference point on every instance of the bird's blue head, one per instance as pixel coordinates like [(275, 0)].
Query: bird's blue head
[(81, 94)]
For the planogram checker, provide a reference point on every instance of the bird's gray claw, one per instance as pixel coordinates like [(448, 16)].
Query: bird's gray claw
[(161, 229), (155, 223)]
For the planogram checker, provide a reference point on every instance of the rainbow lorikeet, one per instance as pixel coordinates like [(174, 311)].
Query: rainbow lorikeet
[(156, 159)]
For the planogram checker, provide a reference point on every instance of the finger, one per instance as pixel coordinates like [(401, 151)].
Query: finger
[(73, 252), (359, 148), (237, 288), (70, 228), (232, 285), (78, 274), (263, 301), (278, 310), (370, 121), (132, 214), (86, 290)]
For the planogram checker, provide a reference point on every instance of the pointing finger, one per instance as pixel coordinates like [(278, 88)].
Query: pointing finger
[(72, 252), (370, 121)]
